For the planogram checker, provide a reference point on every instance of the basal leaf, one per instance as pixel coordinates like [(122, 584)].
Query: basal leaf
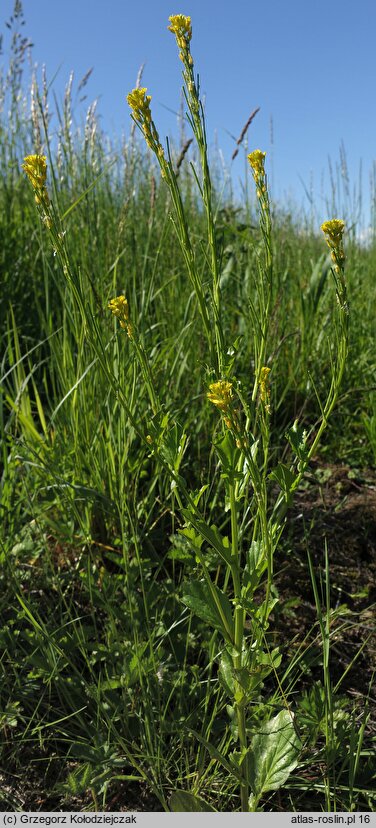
[(274, 754)]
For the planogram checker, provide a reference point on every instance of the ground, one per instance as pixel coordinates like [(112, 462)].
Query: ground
[(334, 509)]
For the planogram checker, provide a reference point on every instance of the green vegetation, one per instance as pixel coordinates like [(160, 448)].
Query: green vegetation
[(152, 557)]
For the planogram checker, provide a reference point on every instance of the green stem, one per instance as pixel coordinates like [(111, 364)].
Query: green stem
[(207, 197), (265, 288), (187, 250), (181, 228), (197, 120), (239, 619), (244, 786), (145, 368)]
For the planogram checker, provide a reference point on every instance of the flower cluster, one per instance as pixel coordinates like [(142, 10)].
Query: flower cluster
[(181, 27), (264, 388), (35, 167), (139, 103), (333, 230), (221, 395), (119, 307), (257, 162)]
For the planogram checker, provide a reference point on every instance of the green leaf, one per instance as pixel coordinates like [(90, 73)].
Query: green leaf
[(270, 659), (285, 478), (226, 673), (311, 709), (248, 677), (263, 611), (211, 535), (183, 801), (255, 566), (227, 452), (172, 446), (297, 438), (211, 605), (274, 755), (193, 537), (197, 495)]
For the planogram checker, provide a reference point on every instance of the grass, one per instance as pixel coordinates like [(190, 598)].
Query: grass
[(146, 541)]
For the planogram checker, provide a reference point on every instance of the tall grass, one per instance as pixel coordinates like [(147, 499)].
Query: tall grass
[(140, 521)]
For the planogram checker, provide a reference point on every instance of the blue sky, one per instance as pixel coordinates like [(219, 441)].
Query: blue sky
[(309, 65)]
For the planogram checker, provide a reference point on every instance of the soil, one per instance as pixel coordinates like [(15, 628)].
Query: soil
[(336, 512), (333, 518)]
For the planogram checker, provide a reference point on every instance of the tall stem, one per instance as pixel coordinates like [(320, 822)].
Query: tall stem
[(239, 700)]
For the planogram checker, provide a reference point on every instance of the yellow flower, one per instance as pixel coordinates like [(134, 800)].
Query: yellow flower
[(257, 161), (182, 29), (220, 394), (119, 307), (139, 103), (264, 387), (333, 230), (36, 170)]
